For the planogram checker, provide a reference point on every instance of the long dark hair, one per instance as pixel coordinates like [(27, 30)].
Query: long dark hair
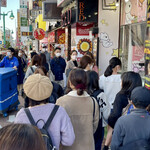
[(78, 79), (43, 59), (130, 80), (112, 64), (21, 137), (92, 82)]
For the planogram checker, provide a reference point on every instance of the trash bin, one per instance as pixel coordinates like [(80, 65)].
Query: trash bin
[(8, 90)]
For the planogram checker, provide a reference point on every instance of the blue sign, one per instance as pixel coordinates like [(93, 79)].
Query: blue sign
[(0, 42)]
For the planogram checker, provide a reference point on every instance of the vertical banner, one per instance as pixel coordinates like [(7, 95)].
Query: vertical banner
[(147, 49), (3, 3)]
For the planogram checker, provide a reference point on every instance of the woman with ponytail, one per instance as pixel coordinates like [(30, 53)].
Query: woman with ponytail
[(110, 81), (82, 109)]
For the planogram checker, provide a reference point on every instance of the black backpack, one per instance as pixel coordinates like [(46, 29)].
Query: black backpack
[(44, 132)]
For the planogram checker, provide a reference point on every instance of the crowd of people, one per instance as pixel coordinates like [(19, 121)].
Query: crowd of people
[(88, 105)]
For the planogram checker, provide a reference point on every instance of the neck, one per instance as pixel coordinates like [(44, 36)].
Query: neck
[(10, 57)]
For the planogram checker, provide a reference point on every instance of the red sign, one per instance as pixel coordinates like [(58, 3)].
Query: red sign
[(39, 34), (61, 36), (51, 37), (83, 28)]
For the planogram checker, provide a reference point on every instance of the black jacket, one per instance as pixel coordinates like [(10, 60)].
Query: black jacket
[(121, 101)]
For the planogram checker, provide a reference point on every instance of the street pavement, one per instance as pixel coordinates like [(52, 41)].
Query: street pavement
[(11, 115)]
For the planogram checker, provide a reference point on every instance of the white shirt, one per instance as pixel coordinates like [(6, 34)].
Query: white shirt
[(111, 86)]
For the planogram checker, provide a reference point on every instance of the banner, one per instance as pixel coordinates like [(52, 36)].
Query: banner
[(3, 3)]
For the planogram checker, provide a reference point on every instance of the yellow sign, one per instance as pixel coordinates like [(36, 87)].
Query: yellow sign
[(41, 23)]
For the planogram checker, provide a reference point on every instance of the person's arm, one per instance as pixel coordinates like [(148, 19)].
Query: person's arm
[(67, 132), (2, 63), (28, 73), (16, 63), (117, 137), (117, 109)]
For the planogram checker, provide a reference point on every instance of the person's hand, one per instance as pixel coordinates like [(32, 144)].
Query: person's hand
[(15, 67)]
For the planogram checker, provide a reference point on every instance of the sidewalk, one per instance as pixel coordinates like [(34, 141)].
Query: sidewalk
[(11, 115)]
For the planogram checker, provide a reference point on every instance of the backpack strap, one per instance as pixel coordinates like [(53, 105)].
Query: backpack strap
[(47, 124), (93, 107), (27, 111), (32, 69)]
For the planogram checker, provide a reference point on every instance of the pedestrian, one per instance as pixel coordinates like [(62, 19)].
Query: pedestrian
[(58, 65), (86, 63), (94, 90), (82, 109), (110, 82), (10, 60), (35, 62), (21, 137), (39, 88), (129, 81), (57, 89), (132, 131), (47, 54), (71, 64), (43, 61), (20, 73), (95, 68)]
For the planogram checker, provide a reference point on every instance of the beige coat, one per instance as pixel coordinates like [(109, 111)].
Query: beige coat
[(70, 65), (80, 111)]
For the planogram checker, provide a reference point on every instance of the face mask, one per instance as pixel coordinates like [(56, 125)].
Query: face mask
[(19, 54), (8, 54), (74, 57), (58, 54)]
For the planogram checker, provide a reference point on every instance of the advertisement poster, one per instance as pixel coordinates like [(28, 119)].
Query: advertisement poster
[(61, 36), (51, 37), (133, 11)]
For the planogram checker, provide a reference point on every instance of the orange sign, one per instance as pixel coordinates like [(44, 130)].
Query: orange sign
[(81, 11)]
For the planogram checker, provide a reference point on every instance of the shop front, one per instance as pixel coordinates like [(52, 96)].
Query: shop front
[(78, 18)]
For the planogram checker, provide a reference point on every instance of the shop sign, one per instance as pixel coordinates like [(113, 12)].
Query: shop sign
[(84, 11), (83, 29), (23, 3), (51, 37), (81, 11), (3, 3), (24, 21), (61, 36), (18, 22), (26, 33), (39, 34)]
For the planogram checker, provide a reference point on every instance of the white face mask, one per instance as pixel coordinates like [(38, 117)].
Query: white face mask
[(19, 54), (8, 54), (74, 57), (58, 54)]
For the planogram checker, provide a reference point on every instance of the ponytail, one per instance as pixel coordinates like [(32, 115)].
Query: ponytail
[(112, 64), (108, 71)]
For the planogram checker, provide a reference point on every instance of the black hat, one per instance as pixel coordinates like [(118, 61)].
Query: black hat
[(11, 49), (141, 96)]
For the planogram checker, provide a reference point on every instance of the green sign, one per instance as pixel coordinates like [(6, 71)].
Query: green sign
[(24, 21), (23, 6)]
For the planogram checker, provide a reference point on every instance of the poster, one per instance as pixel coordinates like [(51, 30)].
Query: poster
[(133, 11)]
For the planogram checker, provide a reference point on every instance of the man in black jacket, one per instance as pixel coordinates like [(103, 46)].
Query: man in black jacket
[(132, 132)]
